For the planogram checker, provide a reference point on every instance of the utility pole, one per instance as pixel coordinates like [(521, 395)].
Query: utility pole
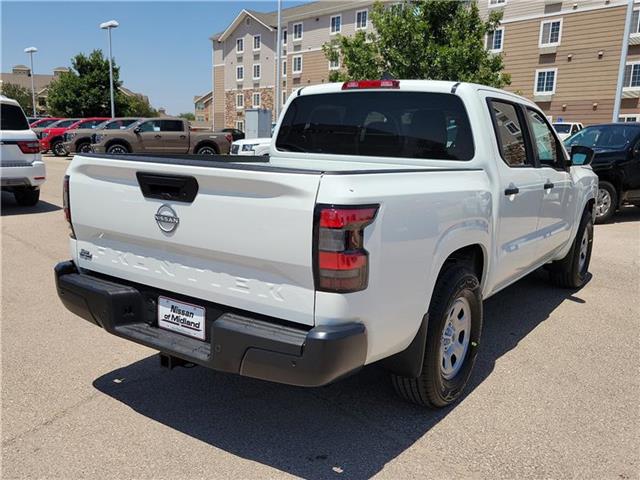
[(623, 61), (31, 51)]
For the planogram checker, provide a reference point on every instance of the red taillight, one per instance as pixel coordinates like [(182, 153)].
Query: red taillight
[(229, 137), (342, 263), (363, 84), (66, 205), (29, 147)]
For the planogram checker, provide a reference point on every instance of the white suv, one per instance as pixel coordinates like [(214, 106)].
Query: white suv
[(22, 170)]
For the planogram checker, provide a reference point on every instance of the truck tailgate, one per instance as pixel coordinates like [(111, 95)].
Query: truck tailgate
[(245, 241)]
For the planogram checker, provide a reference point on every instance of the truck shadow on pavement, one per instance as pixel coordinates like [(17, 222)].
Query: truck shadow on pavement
[(10, 207), (353, 427)]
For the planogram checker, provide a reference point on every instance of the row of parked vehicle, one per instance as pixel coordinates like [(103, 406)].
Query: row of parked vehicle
[(64, 136)]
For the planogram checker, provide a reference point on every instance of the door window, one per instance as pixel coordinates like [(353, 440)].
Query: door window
[(546, 147), (507, 123), (171, 126), (150, 126)]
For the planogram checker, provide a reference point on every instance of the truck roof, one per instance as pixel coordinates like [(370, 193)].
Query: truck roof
[(436, 86)]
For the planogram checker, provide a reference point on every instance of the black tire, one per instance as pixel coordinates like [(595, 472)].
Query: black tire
[(573, 270), (27, 197), (606, 203), (117, 149), (433, 388), (206, 150), (57, 147), (84, 147)]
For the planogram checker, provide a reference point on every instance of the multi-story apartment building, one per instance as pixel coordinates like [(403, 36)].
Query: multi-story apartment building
[(563, 54), (202, 104), (244, 72), (21, 75)]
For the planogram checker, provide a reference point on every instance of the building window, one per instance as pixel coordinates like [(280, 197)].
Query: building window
[(284, 37), (495, 40), (240, 45), (334, 64), (257, 42), (200, 118), (284, 97), (256, 100), (199, 106), (550, 33), (239, 73), (336, 24), (239, 100), (635, 22), (497, 3), (297, 31), (631, 75), (297, 64), (629, 118), (362, 17), (284, 68), (256, 71), (240, 125), (546, 81)]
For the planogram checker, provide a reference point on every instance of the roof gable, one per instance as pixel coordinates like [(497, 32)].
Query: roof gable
[(258, 17)]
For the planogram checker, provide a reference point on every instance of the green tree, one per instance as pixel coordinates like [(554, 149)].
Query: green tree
[(136, 106), (19, 94), (421, 39), (188, 116), (84, 90)]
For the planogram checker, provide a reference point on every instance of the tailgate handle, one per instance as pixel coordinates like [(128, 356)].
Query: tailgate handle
[(168, 187)]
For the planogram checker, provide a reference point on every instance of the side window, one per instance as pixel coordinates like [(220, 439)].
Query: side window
[(574, 129), (546, 147), (151, 126), (171, 126), (508, 129)]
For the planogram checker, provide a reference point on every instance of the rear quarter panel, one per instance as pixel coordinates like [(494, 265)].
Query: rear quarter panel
[(423, 218)]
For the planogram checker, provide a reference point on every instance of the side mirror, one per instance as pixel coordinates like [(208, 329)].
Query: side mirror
[(137, 130), (581, 155)]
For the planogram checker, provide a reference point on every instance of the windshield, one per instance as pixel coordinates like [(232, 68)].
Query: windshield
[(12, 118), (382, 124), (63, 123), (45, 123), (604, 136), (562, 127), (119, 124)]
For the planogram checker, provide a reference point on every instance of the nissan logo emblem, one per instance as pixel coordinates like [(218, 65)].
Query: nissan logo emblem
[(167, 219)]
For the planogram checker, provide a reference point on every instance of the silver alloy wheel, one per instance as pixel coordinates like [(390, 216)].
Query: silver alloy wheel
[(117, 150), (455, 338), (603, 203), (206, 151), (85, 148), (58, 149), (584, 248)]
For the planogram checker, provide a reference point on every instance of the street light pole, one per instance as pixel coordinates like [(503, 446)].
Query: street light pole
[(278, 99), (108, 26), (31, 51)]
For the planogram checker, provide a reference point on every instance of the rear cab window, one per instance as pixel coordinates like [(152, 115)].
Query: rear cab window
[(12, 118), (378, 123)]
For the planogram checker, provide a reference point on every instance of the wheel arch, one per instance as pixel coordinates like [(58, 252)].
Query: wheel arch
[(206, 143), (119, 141), (80, 141)]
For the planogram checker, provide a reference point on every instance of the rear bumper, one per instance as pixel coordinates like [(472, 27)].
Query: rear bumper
[(249, 345), (32, 175)]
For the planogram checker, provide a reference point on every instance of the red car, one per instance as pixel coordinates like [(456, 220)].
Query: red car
[(44, 122), (52, 138)]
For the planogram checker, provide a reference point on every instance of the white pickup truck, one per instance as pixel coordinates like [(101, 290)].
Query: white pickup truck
[(386, 212)]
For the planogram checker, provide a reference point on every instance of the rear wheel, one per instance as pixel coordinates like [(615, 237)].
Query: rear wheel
[(58, 149), (606, 203), (573, 270), (27, 197), (117, 149), (206, 150), (453, 335), (84, 148)]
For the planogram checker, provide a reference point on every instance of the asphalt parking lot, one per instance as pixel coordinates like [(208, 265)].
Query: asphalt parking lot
[(554, 394)]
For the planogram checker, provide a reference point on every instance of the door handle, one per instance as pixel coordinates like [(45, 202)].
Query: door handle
[(183, 137), (512, 191), (158, 136), (548, 186)]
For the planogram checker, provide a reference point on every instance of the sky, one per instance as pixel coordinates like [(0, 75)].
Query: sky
[(162, 47)]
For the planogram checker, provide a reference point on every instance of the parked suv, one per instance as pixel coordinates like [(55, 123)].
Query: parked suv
[(53, 137), (566, 129), (79, 140), (22, 170), (616, 162), (161, 135)]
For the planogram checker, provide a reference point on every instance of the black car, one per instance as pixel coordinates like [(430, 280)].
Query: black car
[(616, 162), (235, 133)]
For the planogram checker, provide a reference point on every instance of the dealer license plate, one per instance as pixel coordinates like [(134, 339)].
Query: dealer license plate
[(181, 317)]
